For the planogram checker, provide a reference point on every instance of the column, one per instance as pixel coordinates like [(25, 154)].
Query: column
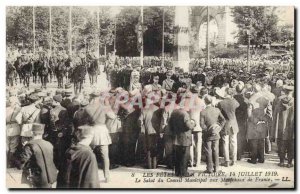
[(181, 42), (222, 28)]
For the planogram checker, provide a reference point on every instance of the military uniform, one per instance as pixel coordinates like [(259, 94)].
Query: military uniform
[(28, 115), (100, 114), (39, 170), (13, 131), (167, 84)]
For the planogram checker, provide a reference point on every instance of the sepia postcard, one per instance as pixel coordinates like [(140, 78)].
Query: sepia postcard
[(150, 97)]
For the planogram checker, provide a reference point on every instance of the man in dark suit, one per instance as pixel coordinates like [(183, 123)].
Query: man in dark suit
[(181, 125), (259, 116), (199, 77), (218, 80), (228, 107), (241, 116), (39, 170), (211, 122), (284, 131), (80, 168), (60, 127)]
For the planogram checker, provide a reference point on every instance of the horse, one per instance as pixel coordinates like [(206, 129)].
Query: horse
[(68, 70), (78, 76), (43, 72), (18, 67), (52, 66), (36, 69), (60, 73), (93, 69), (10, 73), (26, 70)]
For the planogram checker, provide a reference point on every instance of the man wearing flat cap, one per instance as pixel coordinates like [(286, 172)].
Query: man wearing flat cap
[(36, 159)]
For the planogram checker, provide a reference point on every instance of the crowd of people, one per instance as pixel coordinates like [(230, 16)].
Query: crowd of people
[(151, 116)]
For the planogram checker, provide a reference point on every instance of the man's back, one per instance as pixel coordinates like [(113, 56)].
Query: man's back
[(151, 119), (181, 126), (228, 107), (79, 170), (210, 116), (38, 158)]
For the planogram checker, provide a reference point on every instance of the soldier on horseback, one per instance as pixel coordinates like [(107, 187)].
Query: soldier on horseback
[(60, 71), (52, 66), (36, 69), (43, 71), (79, 73), (26, 70), (10, 72), (92, 68)]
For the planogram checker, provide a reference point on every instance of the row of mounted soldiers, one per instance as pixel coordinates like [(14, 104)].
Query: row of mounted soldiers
[(45, 69)]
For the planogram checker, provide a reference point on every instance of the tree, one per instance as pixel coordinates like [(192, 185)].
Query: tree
[(286, 33), (85, 32), (42, 27), (19, 26), (60, 28), (126, 36), (260, 21), (153, 18), (107, 28)]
